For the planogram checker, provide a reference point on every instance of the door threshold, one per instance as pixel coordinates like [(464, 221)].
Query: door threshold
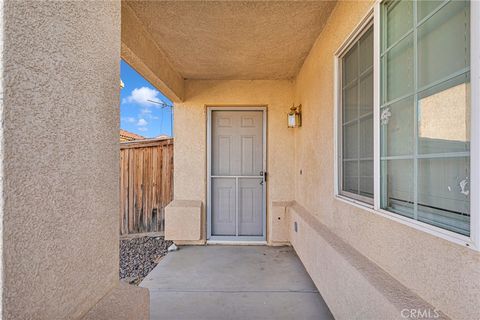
[(236, 243)]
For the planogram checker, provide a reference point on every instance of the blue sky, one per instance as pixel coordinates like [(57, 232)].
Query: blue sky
[(137, 114)]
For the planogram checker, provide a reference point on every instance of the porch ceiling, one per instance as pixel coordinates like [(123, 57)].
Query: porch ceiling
[(234, 39)]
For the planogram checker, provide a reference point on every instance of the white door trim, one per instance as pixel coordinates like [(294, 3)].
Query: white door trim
[(210, 238)]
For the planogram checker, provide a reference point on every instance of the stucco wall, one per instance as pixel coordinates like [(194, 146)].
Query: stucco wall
[(446, 275), (142, 53), (191, 133), (60, 156), (352, 286)]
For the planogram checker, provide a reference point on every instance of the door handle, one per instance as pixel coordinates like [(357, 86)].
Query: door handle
[(264, 175)]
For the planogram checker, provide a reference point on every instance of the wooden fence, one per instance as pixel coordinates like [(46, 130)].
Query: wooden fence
[(146, 184)]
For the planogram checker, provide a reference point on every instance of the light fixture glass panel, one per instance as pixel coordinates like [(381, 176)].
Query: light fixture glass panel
[(292, 120)]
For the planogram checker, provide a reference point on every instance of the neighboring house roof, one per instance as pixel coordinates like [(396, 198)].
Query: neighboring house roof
[(163, 136), (129, 136)]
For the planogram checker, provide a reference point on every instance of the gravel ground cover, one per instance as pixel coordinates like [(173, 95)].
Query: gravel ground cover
[(139, 255)]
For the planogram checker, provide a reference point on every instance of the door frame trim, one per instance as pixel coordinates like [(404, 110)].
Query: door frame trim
[(211, 108)]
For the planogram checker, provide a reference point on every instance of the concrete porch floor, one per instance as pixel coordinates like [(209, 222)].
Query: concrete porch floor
[(233, 282)]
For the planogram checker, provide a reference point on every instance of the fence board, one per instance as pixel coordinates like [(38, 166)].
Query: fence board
[(146, 185)]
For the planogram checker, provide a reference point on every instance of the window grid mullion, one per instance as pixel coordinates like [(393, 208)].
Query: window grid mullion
[(431, 14), (426, 87), (429, 156), (415, 112), (340, 142), (393, 101), (350, 84), (366, 71), (393, 45), (358, 116), (383, 132)]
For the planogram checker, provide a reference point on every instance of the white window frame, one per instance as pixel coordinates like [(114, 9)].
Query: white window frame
[(472, 241), (352, 39)]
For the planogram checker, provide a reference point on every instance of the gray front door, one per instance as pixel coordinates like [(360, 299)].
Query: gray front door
[(237, 175)]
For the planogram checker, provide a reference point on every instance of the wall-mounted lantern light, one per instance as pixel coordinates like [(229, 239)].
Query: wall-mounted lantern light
[(295, 116)]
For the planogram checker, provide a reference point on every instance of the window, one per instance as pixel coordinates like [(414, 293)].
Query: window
[(356, 117), (408, 116), (425, 112)]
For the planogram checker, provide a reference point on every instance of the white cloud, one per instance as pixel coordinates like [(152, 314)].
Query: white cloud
[(145, 111), (147, 115), (130, 119), (142, 96), (142, 129), (142, 122)]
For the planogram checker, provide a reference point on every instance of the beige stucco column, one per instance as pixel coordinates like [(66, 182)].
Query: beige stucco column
[(59, 162)]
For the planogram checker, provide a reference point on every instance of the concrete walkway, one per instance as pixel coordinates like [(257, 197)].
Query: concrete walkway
[(233, 282)]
